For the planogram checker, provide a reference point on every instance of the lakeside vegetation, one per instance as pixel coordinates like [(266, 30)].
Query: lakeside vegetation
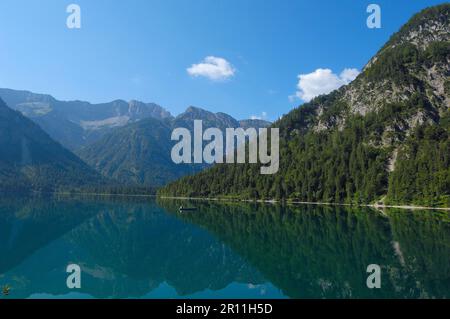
[(383, 139), (339, 167)]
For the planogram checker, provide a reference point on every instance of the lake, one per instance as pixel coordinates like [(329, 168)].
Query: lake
[(136, 247)]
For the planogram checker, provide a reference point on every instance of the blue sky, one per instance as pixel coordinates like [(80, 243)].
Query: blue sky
[(142, 49)]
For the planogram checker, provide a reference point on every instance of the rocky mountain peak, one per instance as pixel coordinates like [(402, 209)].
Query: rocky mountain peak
[(411, 71), (426, 27), (429, 25)]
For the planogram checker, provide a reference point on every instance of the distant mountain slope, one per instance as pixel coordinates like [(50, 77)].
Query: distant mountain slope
[(138, 153), (384, 137), (77, 123), (210, 119), (220, 120), (31, 160), (245, 124), (141, 152)]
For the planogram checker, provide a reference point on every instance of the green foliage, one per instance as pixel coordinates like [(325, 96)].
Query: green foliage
[(347, 163), (419, 21), (140, 153), (399, 63), (422, 173), (447, 87), (300, 119), (31, 160), (329, 153), (393, 64), (137, 154), (336, 166)]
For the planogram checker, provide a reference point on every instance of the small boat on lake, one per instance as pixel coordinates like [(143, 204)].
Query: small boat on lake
[(187, 209)]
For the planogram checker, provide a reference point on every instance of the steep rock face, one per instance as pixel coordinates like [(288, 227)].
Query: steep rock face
[(386, 133), (414, 60)]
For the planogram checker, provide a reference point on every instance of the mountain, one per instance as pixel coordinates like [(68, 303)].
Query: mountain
[(140, 153), (245, 124), (382, 138), (31, 160), (77, 123), (210, 119)]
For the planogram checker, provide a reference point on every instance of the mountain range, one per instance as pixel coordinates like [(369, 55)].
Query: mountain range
[(140, 153), (30, 159), (384, 138), (77, 123), (129, 143)]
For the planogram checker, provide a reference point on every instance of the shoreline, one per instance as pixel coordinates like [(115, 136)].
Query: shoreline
[(266, 201), (104, 194), (273, 201)]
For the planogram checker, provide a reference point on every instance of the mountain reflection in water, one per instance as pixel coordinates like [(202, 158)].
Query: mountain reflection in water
[(146, 248)]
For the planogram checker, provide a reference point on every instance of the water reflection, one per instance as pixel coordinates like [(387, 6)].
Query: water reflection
[(133, 248), (323, 252)]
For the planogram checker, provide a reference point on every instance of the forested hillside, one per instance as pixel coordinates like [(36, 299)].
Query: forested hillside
[(31, 160), (382, 138), (140, 153)]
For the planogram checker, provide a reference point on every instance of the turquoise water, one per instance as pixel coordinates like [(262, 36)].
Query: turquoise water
[(146, 248)]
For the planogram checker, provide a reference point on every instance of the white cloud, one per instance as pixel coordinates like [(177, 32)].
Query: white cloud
[(321, 81), (349, 75), (263, 116), (213, 68)]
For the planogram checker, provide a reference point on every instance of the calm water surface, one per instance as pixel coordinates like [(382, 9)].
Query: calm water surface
[(144, 248)]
